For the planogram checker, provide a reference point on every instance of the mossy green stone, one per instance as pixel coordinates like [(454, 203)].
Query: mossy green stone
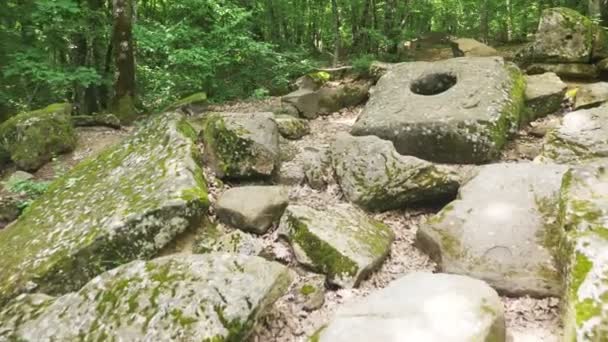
[(124, 204), (34, 138)]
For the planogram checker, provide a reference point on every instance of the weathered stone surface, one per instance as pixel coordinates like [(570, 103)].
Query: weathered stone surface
[(564, 36), (339, 241), (374, 176), (583, 135), (192, 104), (305, 100), (567, 70), (590, 95), (217, 238), (467, 47), (544, 94), (214, 297), (317, 167), (241, 145), (126, 203), (334, 96), (291, 127), (459, 110), (108, 120), (252, 208), (584, 213), (31, 139), (422, 307), (501, 229)]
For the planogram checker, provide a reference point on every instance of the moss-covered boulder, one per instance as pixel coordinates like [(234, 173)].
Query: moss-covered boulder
[(460, 110), (219, 239), (565, 36), (591, 95), (339, 241), (214, 297), (374, 176), (108, 120), (31, 139), (191, 104), (501, 229), (544, 95), (580, 137), (584, 253), (127, 203), (241, 145), (418, 307), (334, 96), (291, 127)]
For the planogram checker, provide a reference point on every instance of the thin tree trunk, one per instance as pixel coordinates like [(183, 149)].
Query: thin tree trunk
[(337, 42), (124, 57)]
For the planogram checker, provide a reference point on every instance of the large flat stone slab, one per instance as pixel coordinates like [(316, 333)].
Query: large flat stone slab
[(340, 241), (502, 229), (214, 297), (374, 176), (584, 215), (125, 204), (582, 136), (422, 307), (544, 94), (456, 111)]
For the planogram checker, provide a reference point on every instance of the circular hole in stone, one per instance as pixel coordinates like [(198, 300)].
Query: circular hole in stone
[(433, 84), (569, 37)]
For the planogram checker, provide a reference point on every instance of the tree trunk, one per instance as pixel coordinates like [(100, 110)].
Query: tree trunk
[(337, 43), (124, 57)]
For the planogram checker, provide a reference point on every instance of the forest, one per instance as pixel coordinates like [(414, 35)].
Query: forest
[(75, 50)]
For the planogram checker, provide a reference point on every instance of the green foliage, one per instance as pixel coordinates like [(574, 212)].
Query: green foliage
[(362, 64), (31, 190)]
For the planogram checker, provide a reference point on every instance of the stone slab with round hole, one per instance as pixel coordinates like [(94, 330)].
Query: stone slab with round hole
[(461, 110)]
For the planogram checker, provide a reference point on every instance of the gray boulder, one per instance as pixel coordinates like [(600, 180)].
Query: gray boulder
[(591, 95), (584, 253), (334, 96), (305, 100), (108, 120), (459, 110), (544, 94), (422, 307), (566, 70), (501, 229), (374, 176), (252, 208), (291, 127), (467, 47), (125, 204), (565, 36), (316, 164), (339, 241), (241, 145), (582, 136), (214, 297)]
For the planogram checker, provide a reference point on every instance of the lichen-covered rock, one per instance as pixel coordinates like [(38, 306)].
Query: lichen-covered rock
[(422, 307), (467, 47), (459, 110), (218, 239), (127, 203), (583, 214), (564, 36), (502, 229), (590, 95), (31, 139), (316, 164), (306, 101), (108, 120), (291, 127), (334, 96), (581, 137), (566, 70), (339, 241), (374, 176), (544, 94), (241, 145), (213, 297), (252, 208)]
